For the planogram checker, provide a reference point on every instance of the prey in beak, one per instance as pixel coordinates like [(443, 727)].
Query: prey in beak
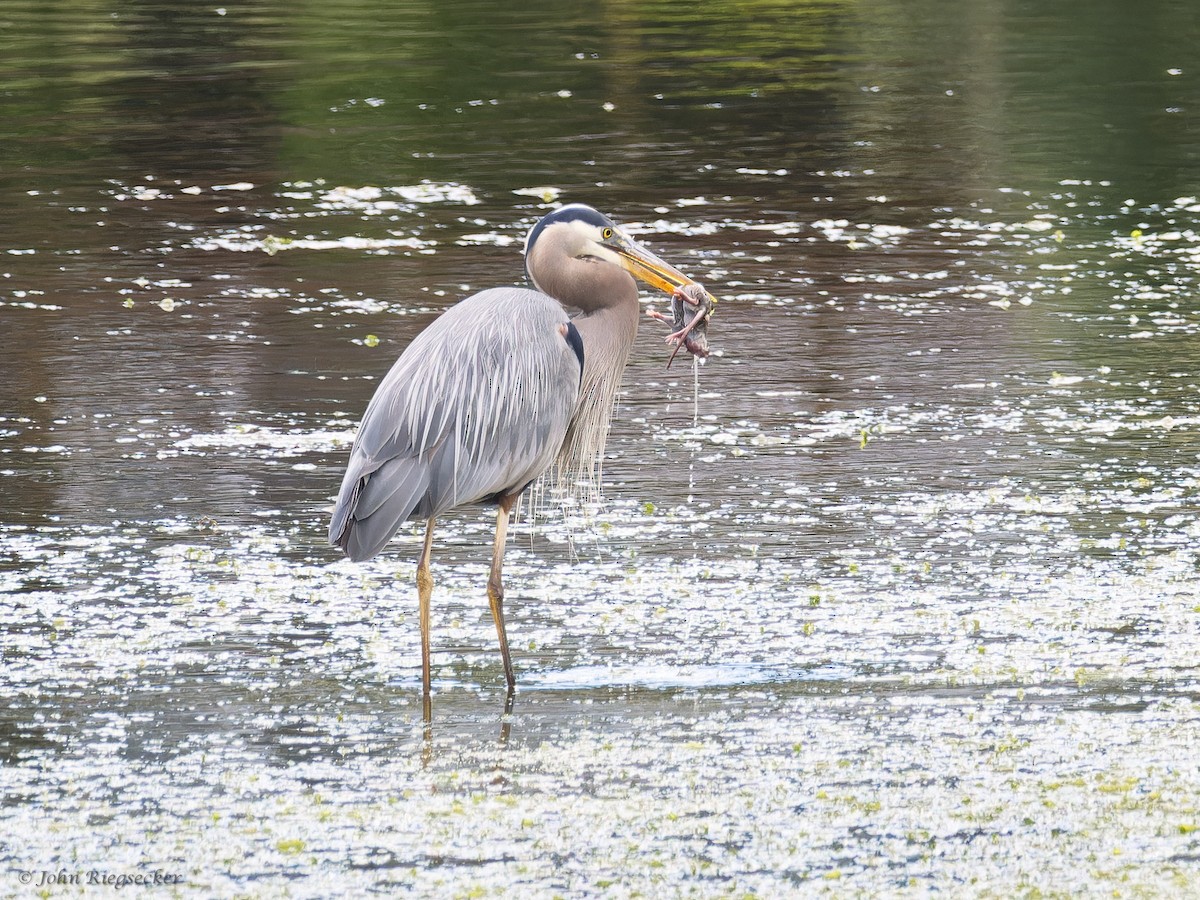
[(691, 308), (691, 304)]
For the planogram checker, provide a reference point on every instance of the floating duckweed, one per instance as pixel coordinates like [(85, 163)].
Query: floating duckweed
[(992, 696)]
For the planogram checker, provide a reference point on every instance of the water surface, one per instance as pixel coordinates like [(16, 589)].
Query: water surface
[(902, 598)]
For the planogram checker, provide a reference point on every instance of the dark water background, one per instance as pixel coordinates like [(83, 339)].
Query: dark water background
[(903, 597)]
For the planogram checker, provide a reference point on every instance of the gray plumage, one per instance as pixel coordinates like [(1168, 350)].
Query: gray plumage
[(475, 408), (499, 389)]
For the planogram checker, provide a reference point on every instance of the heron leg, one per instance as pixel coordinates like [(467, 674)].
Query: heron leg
[(424, 593), (496, 587)]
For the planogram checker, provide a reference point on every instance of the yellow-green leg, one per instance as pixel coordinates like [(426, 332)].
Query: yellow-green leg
[(424, 593), (496, 587)]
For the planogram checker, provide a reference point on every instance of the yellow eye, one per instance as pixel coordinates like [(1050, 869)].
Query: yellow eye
[(606, 233)]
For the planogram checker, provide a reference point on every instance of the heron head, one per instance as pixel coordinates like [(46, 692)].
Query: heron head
[(577, 231)]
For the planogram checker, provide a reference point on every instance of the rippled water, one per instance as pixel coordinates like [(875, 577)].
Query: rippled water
[(898, 595)]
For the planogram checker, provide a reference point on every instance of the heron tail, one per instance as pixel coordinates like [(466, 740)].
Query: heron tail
[(371, 507)]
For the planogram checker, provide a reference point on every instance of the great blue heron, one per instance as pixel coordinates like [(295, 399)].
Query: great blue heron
[(495, 391)]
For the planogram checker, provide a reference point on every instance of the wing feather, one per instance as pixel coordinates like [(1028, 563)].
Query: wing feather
[(477, 406)]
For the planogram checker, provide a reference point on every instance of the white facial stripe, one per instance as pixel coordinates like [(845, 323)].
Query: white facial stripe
[(590, 242)]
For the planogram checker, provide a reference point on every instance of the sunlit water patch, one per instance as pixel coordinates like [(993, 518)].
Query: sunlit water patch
[(899, 596), (826, 716)]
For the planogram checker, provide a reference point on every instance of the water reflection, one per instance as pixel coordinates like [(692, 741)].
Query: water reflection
[(928, 541)]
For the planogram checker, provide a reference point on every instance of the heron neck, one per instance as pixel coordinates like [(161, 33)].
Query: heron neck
[(608, 335)]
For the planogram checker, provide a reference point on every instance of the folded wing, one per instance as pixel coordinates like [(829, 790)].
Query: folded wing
[(473, 410)]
